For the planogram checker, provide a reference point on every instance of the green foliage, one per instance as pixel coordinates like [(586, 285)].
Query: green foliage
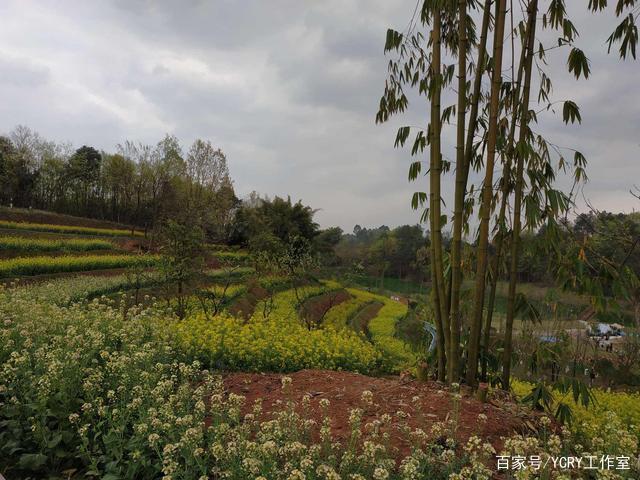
[(588, 411), (540, 397), (88, 391), (571, 112), (279, 218), (231, 257), (384, 252), (182, 261), (578, 63)]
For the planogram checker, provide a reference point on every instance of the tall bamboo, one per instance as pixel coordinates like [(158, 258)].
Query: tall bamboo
[(435, 164), (456, 247), (487, 195), (505, 187), (532, 12)]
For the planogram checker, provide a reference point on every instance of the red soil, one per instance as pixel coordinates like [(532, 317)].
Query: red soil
[(390, 395)]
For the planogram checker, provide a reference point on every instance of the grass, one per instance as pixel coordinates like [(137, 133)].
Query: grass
[(22, 266), (21, 244), (46, 227)]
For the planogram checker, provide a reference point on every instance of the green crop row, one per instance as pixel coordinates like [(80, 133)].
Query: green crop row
[(383, 328), (46, 265), (46, 227), (24, 244)]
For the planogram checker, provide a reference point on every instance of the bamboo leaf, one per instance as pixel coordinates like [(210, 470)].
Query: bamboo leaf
[(571, 112), (401, 136), (414, 170), (578, 63)]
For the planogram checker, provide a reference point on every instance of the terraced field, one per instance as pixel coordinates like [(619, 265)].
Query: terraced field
[(31, 248)]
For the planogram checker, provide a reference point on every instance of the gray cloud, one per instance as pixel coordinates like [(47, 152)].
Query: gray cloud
[(288, 89)]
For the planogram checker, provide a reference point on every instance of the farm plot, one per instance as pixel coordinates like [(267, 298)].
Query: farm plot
[(68, 229), (15, 244), (277, 341), (21, 266)]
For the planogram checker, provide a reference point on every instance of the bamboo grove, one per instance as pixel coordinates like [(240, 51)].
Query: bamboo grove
[(488, 59)]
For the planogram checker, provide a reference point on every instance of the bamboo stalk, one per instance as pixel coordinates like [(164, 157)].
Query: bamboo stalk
[(487, 196), (517, 203)]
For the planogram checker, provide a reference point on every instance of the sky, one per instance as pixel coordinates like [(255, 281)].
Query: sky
[(287, 88)]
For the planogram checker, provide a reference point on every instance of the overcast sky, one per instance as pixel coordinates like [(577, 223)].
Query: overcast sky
[(287, 88)]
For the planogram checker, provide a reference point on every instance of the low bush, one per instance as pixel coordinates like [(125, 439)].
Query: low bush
[(88, 393), (46, 265), (22, 244), (45, 227), (229, 292)]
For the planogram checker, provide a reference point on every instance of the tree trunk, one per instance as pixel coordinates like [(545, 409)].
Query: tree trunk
[(517, 202), (487, 195)]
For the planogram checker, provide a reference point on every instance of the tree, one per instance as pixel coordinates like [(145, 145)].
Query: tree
[(282, 218), (82, 172), (382, 253), (182, 249)]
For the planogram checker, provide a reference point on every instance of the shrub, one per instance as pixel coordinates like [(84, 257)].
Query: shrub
[(85, 390), (231, 257), (88, 392)]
